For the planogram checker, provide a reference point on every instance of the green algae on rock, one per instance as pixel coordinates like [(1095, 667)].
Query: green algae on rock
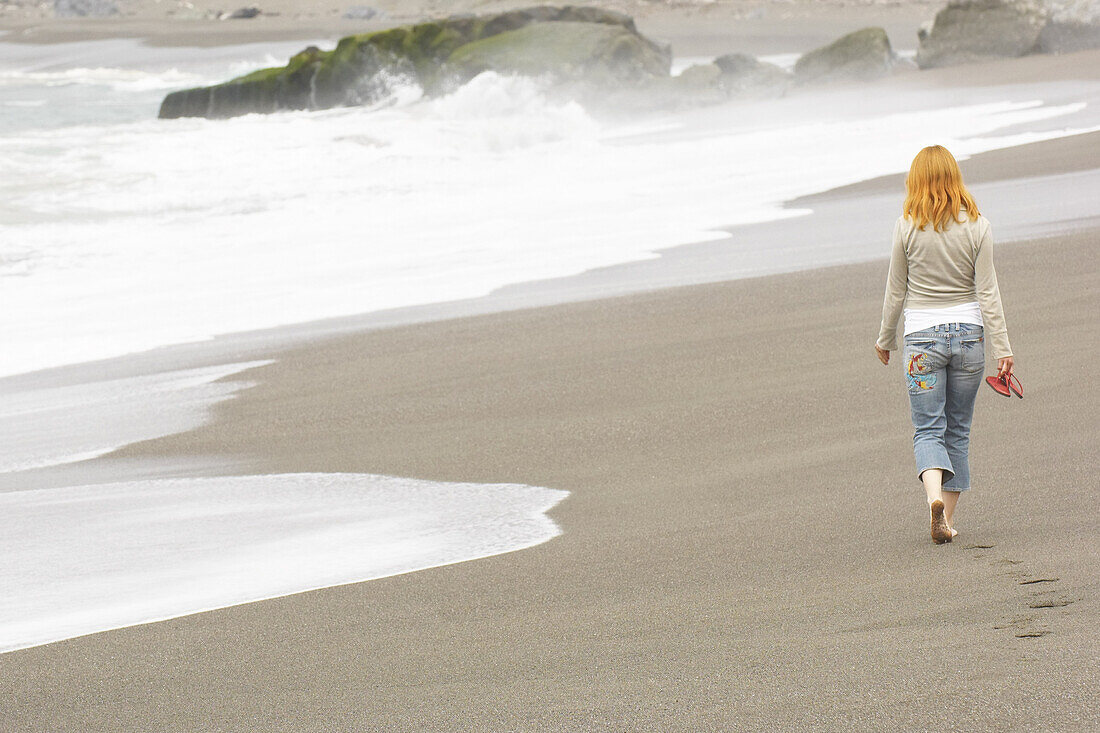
[(565, 51)]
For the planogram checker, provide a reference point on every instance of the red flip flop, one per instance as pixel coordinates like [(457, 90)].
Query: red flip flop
[(1006, 387), (999, 386)]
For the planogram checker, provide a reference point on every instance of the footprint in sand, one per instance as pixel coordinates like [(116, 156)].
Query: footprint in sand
[(1042, 595), (1024, 627), (979, 547), (1046, 600)]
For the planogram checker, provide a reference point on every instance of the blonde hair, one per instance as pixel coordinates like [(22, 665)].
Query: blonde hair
[(934, 190)]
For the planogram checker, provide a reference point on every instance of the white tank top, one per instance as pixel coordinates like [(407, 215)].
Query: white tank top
[(918, 319)]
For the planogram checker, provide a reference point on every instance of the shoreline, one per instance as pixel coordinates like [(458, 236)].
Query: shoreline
[(679, 266), (911, 90), (1069, 154)]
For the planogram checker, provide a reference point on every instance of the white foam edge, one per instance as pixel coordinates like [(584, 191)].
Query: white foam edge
[(526, 512), (53, 426)]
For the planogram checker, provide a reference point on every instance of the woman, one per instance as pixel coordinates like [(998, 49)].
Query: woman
[(941, 271)]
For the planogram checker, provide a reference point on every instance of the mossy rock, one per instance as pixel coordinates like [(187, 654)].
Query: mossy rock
[(264, 90), (862, 55), (564, 51), (601, 43)]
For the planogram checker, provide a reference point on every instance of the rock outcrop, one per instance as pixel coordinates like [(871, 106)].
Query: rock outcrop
[(600, 53), (697, 85), (242, 13), (973, 30), (863, 55), (732, 76), (1073, 25), (745, 75), (363, 12), (569, 44), (84, 8)]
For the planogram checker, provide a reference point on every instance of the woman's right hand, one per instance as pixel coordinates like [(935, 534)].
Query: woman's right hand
[(1004, 367)]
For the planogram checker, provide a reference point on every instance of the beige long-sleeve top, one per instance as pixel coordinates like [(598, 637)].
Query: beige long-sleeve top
[(930, 269)]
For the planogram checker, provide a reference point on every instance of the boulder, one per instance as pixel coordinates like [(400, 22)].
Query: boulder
[(242, 13), (601, 54), (729, 76), (743, 75), (697, 85), (862, 55), (84, 8), (1073, 25), (924, 31), (363, 12), (563, 43), (700, 76), (973, 30)]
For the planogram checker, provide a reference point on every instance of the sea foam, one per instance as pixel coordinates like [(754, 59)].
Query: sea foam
[(84, 559), (121, 232), (51, 426)]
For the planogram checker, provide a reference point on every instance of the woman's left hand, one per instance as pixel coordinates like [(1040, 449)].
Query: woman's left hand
[(883, 355)]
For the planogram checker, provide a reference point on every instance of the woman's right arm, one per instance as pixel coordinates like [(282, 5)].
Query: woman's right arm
[(897, 282)]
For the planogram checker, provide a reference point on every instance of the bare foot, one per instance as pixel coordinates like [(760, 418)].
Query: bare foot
[(941, 533)]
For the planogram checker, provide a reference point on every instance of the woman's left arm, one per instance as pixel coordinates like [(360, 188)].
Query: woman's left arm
[(897, 281)]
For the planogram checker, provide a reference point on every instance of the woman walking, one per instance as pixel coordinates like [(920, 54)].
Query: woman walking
[(941, 272)]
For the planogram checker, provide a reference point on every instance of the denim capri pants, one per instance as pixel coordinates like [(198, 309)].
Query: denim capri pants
[(943, 369)]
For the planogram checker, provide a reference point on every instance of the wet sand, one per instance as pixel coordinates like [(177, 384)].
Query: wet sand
[(1049, 157)]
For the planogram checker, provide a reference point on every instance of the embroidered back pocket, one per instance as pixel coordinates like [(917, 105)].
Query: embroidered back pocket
[(920, 366)]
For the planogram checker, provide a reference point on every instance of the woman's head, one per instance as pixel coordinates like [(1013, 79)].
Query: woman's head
[(934, 190)]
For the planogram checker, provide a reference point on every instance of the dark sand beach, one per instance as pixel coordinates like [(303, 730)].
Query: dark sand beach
[(745, 545)]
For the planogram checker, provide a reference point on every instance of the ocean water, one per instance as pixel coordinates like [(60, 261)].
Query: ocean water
[(52, 426), (105, 554), (120, 232)]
